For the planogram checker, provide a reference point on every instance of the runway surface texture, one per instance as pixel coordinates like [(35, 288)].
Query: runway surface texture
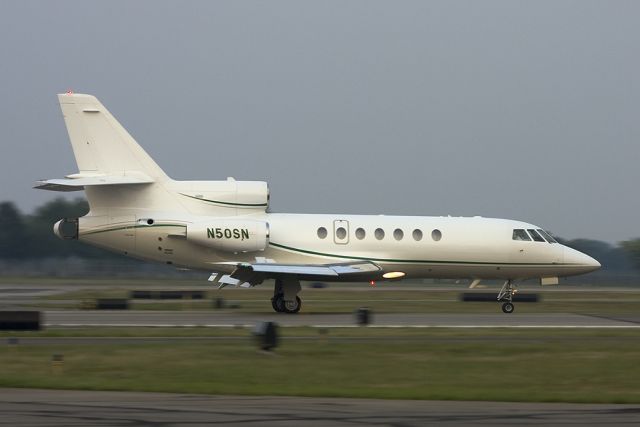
[(83, 408), (229, 319)]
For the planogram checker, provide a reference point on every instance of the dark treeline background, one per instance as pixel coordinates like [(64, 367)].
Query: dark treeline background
[(28, 246), (31, 236)]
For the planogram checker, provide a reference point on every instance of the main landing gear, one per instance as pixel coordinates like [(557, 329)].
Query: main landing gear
[(285, 296), (506, 294)]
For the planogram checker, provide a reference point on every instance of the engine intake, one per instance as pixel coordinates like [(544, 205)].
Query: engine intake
[(66, 228)]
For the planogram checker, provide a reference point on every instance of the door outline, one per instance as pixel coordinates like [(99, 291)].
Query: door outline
[(338, 223)]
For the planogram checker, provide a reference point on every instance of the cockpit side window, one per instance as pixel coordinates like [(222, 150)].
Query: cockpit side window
[(536, 236), (547, 236), (520, 234)]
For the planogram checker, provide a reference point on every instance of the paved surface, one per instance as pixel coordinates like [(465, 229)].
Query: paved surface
[(87, 408), (12, 295), (209, 318)]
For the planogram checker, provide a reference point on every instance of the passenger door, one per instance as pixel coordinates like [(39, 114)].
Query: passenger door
[(341, 232)]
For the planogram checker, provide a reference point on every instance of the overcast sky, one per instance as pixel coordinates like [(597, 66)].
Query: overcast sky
[(521, 110)]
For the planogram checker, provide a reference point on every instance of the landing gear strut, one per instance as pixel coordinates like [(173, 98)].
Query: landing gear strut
[(506, 294), (285, 296)]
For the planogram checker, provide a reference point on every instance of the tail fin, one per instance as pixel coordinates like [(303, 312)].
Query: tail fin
[(100, 144)]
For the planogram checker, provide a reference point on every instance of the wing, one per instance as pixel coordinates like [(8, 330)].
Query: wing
[(247, 275)]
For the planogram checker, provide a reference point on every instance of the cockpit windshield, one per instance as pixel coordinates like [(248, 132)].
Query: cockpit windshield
[(547, 236), (537, 235), (520, 234)]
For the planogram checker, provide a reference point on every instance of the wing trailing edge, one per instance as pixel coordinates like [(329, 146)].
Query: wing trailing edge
[(247, 275)]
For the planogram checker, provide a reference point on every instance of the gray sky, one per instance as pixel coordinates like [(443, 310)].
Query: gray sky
[(522, 110)]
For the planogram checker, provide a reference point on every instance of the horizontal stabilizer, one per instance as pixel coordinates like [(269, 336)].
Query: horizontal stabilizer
[(77, 182)]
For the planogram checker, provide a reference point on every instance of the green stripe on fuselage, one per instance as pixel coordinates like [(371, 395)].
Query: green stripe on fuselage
[(412, 261), (253, 205), (130, 227)]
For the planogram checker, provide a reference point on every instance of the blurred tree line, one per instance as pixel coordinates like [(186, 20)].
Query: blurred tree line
[(31, 237), (617, 258)]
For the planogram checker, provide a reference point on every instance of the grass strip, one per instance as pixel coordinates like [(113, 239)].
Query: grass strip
[(542, 365)]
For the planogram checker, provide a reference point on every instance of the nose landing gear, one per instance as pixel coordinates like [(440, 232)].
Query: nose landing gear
[(508, 308), (506, 294)]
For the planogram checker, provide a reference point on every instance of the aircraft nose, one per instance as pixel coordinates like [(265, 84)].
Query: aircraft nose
[(580, 261)]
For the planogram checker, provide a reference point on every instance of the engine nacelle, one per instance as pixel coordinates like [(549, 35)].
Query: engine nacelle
[(235, 197), (230, 235), (66, 229)]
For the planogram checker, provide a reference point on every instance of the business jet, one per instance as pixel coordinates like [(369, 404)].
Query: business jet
[(225, 228)]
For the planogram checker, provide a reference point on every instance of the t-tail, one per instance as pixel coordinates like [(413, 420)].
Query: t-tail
[(119, 176), (106, 154)]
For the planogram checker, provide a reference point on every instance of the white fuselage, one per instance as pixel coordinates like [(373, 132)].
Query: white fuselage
[(225, 226), (448, 247)]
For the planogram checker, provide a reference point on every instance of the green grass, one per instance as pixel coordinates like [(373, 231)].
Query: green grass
[(380, 300), (293, 332), (392, 297), (570, 365), (91, 281), (128, 332), (485, 364)]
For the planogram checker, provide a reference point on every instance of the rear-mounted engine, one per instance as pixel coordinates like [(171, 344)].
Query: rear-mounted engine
[(66, 229)]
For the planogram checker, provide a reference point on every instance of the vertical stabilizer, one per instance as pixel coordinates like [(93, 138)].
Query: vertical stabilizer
[(100, 144)]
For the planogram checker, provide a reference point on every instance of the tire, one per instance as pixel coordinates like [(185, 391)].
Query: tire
[(508, 308), (279, 304), (274, 305), (292, 307)]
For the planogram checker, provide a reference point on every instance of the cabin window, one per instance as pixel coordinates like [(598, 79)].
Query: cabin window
[(341, 233), (536, 236), (520, 234), (436, 235), (398, 234), (379, 233), (322, 233), (360, 233), (547, 236), (417, 235)]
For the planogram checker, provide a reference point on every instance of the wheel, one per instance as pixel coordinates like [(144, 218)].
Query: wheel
[(280, 304), (277, 302), (292, 307), (507, 307)]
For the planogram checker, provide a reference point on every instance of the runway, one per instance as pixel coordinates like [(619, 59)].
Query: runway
[(69, 408), (145, 318)]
